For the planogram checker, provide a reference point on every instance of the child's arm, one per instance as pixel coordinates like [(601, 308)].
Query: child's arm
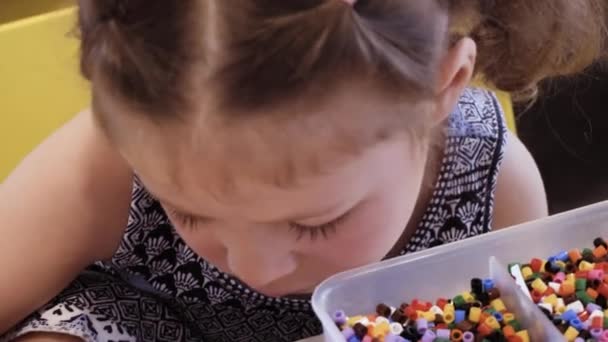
[(63, 208), (520, 194)]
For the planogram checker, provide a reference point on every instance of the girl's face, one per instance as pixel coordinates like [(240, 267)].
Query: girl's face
[(279, 206)]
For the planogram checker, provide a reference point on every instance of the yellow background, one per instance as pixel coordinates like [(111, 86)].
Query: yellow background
[(40, 87)]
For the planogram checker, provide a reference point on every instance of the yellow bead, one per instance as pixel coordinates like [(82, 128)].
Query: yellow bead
[(542, 268), (571, 334), (586, 266), (448, 308), (508, 317), (468, 297), (448, 316), (539, 285), (498, 305), (523, 334), (351, 321), (570, 278), (526, 272), (560, 264), (429, 316), (552, 299), (382, 329), (561, 309), (492, 323), (474, 314)]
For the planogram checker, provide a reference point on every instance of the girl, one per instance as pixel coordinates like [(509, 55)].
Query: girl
[(239, 152)]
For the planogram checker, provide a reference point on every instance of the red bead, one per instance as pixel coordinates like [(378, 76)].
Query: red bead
[(441, 303), (581, 274), (597, 322), (603, 290), (536, 265)]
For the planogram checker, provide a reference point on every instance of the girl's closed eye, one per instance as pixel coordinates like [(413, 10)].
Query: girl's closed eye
[(324, 229), (184, 220)]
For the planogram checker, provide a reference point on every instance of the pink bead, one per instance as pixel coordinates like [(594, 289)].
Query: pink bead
[(595, 274), (559, 277)]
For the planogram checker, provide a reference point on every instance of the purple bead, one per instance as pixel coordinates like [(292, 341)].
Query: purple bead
[(339, 317), (443, 333), (394, 338), (579, 339), (422, 325), (596, 332), (468, 336), (348, 333), (429, 336), (593, 307)]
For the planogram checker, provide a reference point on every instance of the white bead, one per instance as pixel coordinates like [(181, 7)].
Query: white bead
[(396, 328), (577, 307), (555, 286), (596, 313), (436, 310), (380, 320), (560, 303)]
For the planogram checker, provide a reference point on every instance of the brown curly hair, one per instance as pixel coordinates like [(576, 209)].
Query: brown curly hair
[(261, 53)]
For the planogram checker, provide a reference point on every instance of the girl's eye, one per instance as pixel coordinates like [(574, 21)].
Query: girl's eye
[(184, 220), (314, 231)]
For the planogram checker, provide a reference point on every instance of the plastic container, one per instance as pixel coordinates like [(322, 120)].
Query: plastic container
[(447, 270)]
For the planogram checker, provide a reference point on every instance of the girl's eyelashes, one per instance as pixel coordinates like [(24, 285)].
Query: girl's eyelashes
[(184, 220), (313, 232), (324, 230)]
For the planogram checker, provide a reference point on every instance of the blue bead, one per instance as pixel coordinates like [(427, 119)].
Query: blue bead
[(488, 284), (569, 315), (498, 316), (552, 259), (459, 316), (577, 324), (562, 256)]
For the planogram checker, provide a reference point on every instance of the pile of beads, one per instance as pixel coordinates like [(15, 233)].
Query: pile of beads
[(473, 316), (571, 288)]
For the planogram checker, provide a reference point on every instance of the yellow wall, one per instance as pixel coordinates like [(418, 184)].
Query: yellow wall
[(11, 10), (39, 83)]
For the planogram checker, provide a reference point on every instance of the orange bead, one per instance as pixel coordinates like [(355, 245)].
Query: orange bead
[(575, 255), (514, 338), (508, 331), (592, 293), (484, 330), (566, 289), (600, 251)]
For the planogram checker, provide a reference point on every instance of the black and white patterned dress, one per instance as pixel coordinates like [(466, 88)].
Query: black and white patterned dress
[(155, 288)]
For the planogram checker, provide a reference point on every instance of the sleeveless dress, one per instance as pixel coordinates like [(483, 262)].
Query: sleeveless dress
[(155, 288)]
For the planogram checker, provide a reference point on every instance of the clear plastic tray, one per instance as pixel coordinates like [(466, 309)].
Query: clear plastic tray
[(447, 270)]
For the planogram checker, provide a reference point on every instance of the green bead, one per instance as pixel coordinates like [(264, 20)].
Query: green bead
[(459, 301), (441, 340), (515, 324), (584, 297), (452, 326), (606, 322), (535, 275), (587, 252), (580, 284)]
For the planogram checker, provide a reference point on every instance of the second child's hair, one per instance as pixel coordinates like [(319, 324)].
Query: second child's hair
[(258, 54)]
